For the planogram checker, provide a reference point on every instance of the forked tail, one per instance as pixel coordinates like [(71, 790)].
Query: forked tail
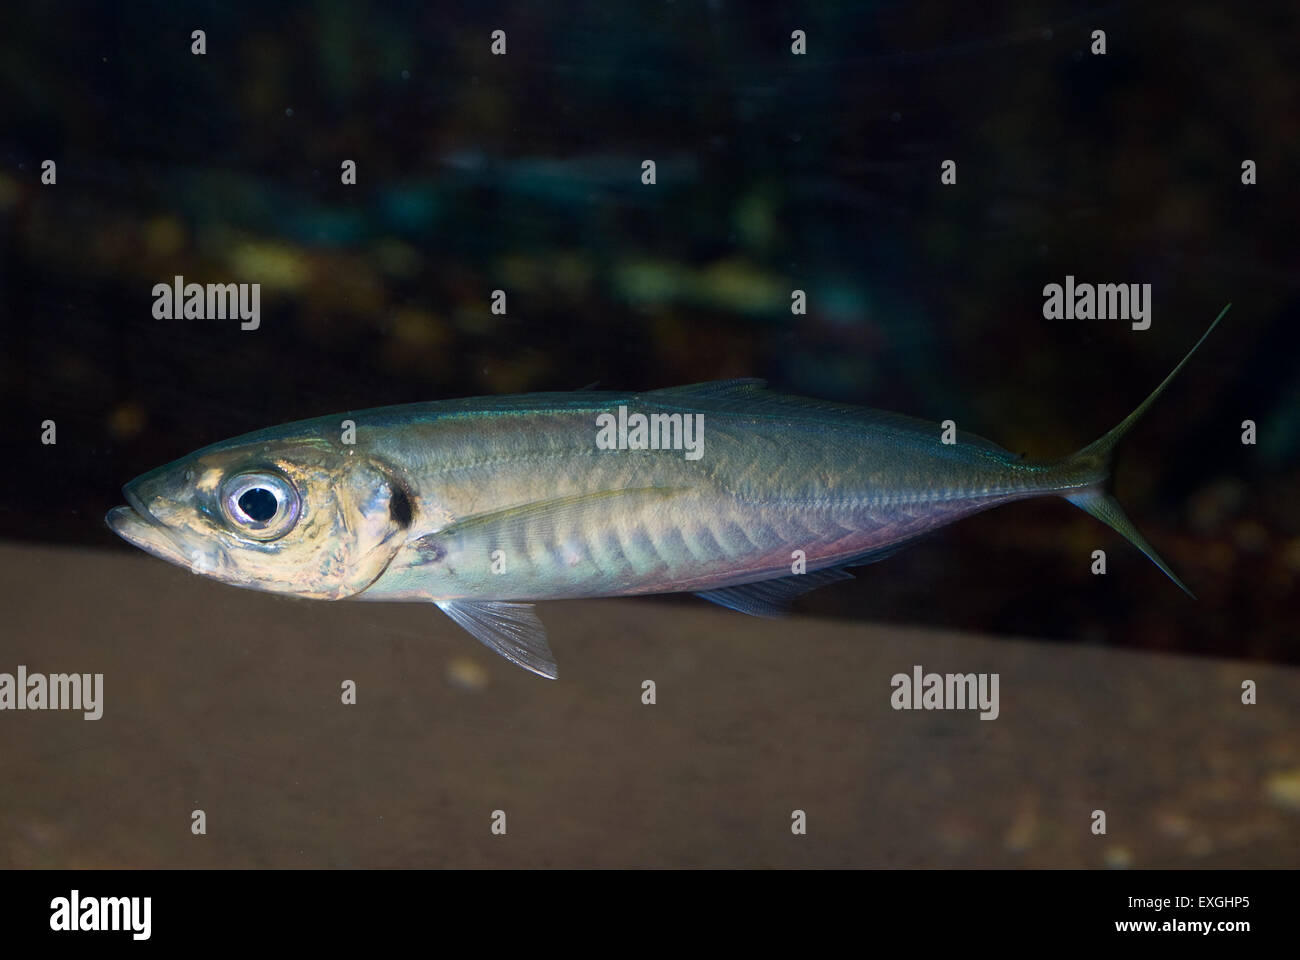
[(1084, 474)]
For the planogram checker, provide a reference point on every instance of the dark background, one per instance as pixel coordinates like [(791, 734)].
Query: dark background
[(774, 172)]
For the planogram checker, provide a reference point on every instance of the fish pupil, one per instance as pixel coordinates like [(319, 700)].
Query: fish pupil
[(259, 504)]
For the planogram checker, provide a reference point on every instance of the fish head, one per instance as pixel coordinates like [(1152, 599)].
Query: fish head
[(301, 516)]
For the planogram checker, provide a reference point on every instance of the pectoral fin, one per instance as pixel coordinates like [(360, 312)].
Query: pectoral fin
[(511, 629)]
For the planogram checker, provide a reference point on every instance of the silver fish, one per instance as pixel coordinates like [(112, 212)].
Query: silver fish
[(483, 506)]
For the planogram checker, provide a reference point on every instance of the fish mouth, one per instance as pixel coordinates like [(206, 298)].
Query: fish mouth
[(140, 528)]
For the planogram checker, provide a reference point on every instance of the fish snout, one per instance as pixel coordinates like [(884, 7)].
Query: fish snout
[(151, 521), (158, 498)]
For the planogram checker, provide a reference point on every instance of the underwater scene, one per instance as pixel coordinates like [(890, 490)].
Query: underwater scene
[(836, 435)]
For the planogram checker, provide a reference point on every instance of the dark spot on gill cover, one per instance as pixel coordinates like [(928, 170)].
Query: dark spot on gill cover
[(399, 507)]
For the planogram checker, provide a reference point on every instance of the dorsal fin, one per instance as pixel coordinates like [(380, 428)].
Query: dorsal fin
[(740, 388), (750, 396)]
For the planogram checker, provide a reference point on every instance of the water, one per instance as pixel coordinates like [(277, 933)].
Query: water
[(774, 172)]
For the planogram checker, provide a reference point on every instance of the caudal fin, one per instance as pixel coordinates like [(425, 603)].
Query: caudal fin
[(1085, 473), (1106, 508)]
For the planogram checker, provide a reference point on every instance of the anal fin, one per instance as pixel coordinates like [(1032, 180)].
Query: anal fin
[(511, 629), (772, 598)]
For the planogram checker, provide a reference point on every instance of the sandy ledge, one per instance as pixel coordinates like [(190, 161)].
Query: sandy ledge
[(229, 701)]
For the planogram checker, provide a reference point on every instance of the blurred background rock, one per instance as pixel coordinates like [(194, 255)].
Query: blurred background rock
[(818, 172)]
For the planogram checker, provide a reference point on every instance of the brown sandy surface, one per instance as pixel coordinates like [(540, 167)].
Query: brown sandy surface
[(229, 701)]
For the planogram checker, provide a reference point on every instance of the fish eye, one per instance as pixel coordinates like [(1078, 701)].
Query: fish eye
[(261, 504)]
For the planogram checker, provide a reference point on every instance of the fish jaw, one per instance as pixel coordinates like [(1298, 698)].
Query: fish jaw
[(153, 539), (138, 526)]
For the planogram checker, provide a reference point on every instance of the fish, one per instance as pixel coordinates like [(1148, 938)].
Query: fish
[(485, 506)]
